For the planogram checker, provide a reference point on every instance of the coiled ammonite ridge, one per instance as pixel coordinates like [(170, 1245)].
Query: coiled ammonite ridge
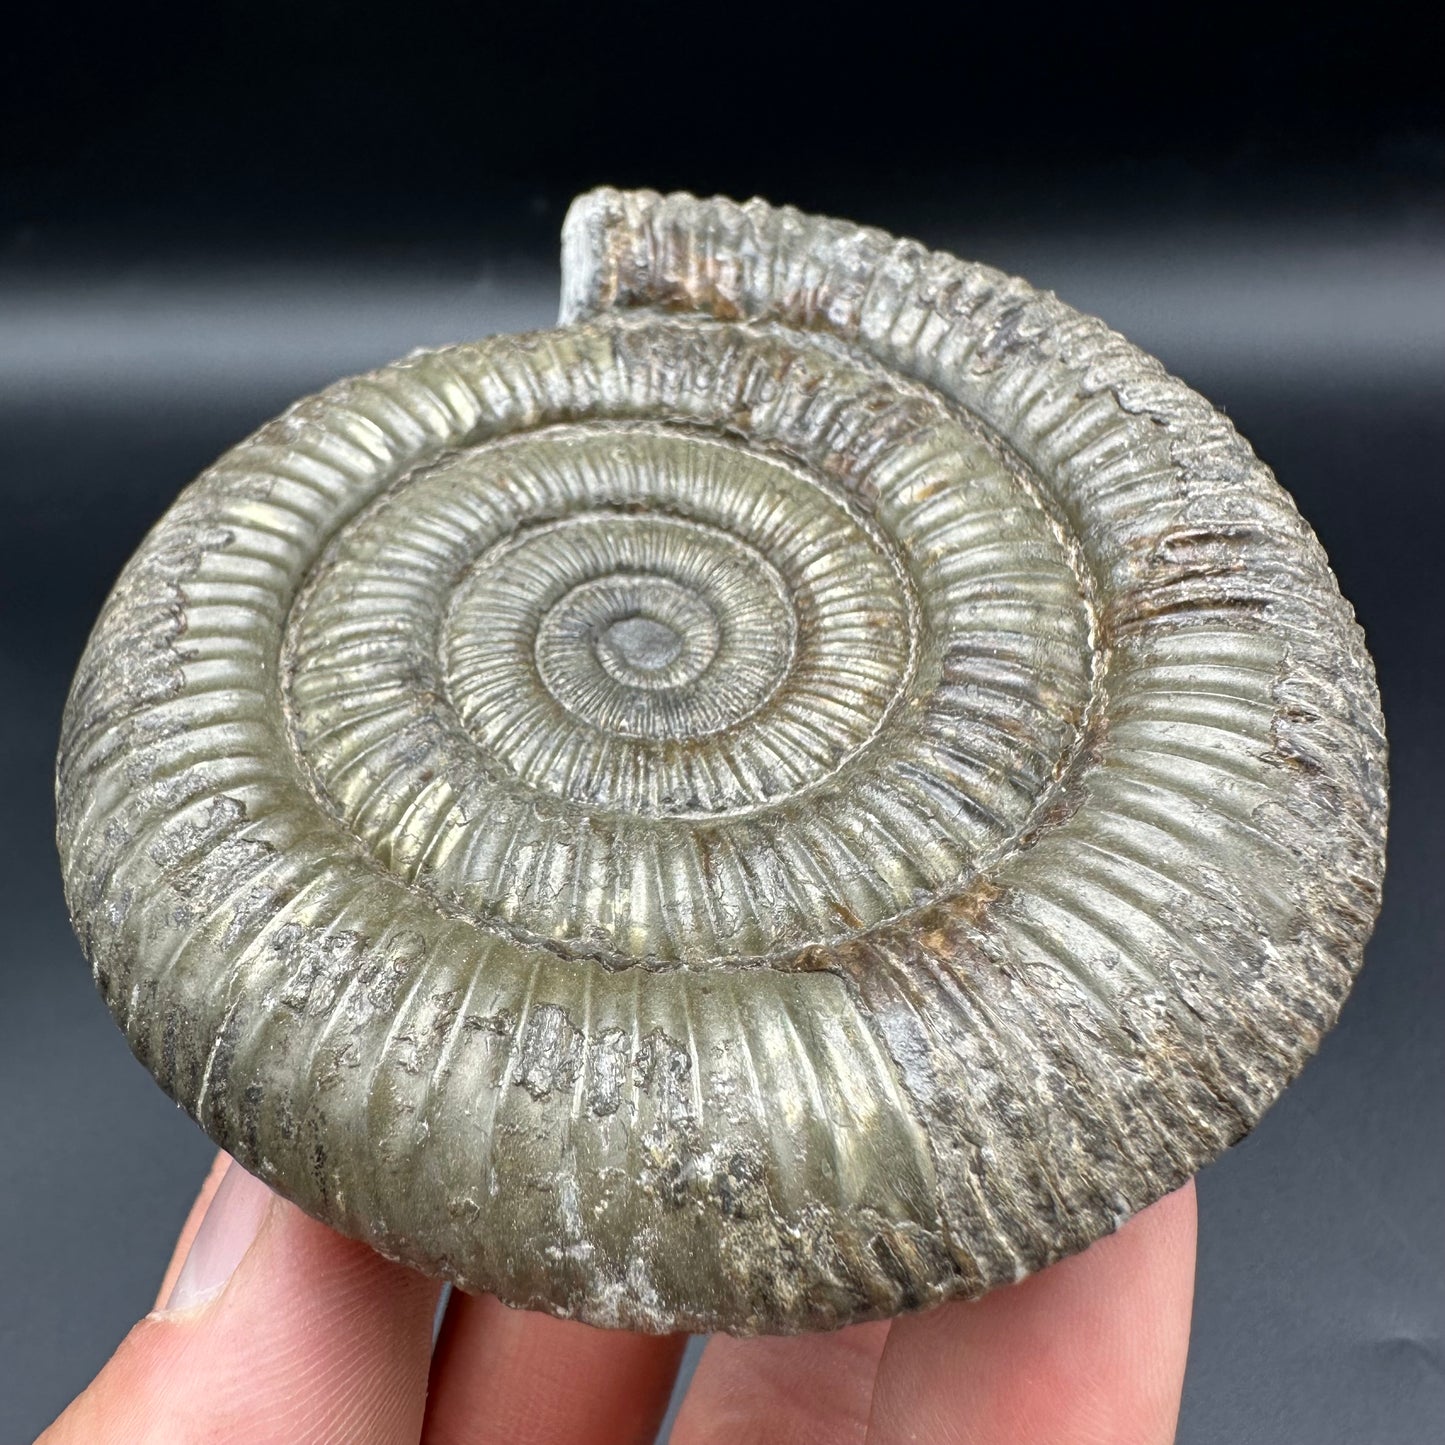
[(823, 784)]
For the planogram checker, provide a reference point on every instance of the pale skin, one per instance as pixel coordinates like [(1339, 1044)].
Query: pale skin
[(315, 1340)]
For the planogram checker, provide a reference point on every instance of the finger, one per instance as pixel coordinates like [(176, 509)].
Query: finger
[(1089, 1352), (277, 1330), (804, 1390), (217, 1172), (514, 1376)]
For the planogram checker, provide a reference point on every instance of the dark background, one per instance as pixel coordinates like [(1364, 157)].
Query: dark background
[(206, 211)]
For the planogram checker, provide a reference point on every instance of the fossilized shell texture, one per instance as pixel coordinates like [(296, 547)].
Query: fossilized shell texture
[(822, 784)]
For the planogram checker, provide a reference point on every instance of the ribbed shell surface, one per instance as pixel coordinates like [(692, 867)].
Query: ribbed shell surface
[(821, 785)]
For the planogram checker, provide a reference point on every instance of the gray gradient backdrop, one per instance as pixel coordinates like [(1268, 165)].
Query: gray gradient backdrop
[(1319, 1313)]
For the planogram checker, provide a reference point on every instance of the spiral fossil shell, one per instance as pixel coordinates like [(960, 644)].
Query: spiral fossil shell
[(820, 785)]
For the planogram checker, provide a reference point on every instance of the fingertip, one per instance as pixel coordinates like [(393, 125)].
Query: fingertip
[(236, 1212), (291, 1333), (194, 1218), (526, 1378), (1090, 1351)]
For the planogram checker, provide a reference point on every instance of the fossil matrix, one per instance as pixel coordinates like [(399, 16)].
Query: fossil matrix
[(820, 785)]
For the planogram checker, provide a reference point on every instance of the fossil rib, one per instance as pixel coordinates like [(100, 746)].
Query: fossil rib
[(821, 785)]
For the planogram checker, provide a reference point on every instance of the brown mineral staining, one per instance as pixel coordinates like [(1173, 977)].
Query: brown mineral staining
[(821, 785)]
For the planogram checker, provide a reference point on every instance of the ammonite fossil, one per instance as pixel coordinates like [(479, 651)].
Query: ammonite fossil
[(820, 785)]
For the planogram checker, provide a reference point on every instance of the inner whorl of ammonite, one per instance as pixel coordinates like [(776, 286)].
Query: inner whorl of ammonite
[(665, 691), (820, 785)]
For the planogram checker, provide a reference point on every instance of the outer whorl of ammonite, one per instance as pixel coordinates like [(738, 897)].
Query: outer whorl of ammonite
[(821, 785)]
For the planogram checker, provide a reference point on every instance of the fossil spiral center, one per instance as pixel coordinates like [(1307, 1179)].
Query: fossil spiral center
[(689, 632), (643, 632), (638, 644), (656, 691)]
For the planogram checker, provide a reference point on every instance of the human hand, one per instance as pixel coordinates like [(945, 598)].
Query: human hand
[(277, 1331)]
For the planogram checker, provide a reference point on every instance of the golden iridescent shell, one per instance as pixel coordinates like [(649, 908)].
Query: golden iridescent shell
[(820, 785)]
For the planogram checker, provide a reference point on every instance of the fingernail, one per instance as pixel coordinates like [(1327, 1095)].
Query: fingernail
[(231, 1223)]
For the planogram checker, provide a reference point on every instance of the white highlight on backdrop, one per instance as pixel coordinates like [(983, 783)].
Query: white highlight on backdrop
[(1290, 308)]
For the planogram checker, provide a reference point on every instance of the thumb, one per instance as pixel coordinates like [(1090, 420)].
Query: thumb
[(275, 1330)]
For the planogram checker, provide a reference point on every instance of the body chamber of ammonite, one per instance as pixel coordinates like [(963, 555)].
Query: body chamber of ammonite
[(823, 784)]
